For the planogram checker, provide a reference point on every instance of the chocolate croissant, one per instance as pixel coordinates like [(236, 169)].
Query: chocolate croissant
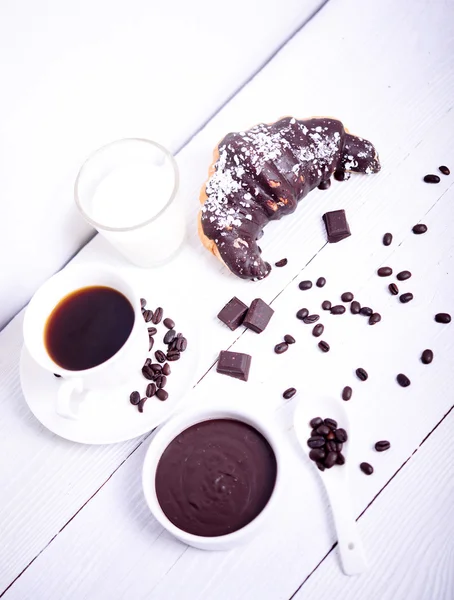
[(261, 174)]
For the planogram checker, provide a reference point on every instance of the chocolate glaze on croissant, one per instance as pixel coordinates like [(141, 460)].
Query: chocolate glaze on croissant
[(261, 174)]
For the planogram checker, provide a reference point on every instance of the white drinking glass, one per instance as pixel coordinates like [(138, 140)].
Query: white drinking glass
[(128, 191)]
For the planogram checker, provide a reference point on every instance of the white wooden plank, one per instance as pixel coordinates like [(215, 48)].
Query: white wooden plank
[(370, 204), (79, 76), (409, 531)]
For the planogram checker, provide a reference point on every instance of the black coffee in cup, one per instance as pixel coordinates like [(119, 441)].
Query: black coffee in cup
[(87, 327)]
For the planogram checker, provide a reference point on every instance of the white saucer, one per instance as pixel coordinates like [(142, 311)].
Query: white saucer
[(107, 417)]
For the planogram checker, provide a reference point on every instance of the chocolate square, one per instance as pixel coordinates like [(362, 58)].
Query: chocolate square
[(258, 316), (234, 364), (336, 225), (233, 313)]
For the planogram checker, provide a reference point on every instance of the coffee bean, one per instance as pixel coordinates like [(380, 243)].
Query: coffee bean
[(366, 468), (392, 287), (382, 446), (141, 404), (148, 316), (57, 375), (281, 263), (330, 460), (323, 430), (320, 282), (366, 311), (281, 348), (362, 374), (347, 393), (443, 318), (443, 169), (160, 356), (331, 423), (305, 285), (181, 344), (151, 390), (374, 318), (331, 445), (403, 275), (157, 316), (157, 368), (147, 362), (324, 185), (161, 381), (170, 336), (134, 398), (289, 339), (173, 355), (387, 239), (341, 435), (403, 380), (318, 330), (311, 319), (166, 369), (338, 309), (339, 446), (324, 346), (317, 454), (162, 395), (316, 442), (330, 435), (431, 178), (404, 298), (150, 343), (347, 297), (289, 393), (355, 307), (326, 305), (315, 422), (384, 271), (340, 459), (152, 330), (420, 228), (320, 466), (427, 357), (302, 314), (148, 373), (168, 323), (143, 303)]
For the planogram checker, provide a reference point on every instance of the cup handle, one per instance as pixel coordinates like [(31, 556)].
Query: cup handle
[(65, 391)]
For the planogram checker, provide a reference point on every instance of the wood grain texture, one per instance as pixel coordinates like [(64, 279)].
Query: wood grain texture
[(411, 123)]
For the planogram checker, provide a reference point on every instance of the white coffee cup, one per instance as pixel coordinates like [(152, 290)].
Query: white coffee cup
[(116, 370)]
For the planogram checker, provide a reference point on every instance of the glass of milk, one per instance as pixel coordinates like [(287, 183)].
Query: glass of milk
[(128, 191)]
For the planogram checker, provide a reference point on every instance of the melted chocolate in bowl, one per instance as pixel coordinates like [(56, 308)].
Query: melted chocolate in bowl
[(215, 477)]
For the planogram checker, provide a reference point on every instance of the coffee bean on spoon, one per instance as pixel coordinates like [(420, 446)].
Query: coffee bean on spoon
[(330, 460), (151, 390), (148, 316), (403, 380), (431, 178), (162, 395), (305, 285), (160, 356), (419, 228), (427, 357), (321, 281), (404, 298), (152, 331), (289, 339), (338, 309), (316, 422), (326, 305), (323, 430), (384, 271), (444, 318), (445, 170), (403, 275), (331, 445), (347, 393), (318, 330), (355, 307), (302, 314), (281, 263), (347, 297), (157, 316), (362, 374), (382, 445), (170, 336), (324, 346), (289, 393), (281, 348), (340, 459), (168, 323), (311, 319), (134, 398), (366, 311), (374, 318), (387, 239), (317, 454), (316, 442), (366, 468), (393, 289)]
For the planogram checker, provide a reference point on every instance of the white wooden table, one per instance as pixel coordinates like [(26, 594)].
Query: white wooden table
[(73, 520)]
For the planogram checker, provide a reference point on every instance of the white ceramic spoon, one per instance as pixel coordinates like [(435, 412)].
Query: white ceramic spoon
[(335, 480)]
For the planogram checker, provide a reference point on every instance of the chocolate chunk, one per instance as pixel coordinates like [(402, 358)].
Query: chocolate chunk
[(443, 169), (321, 281), (431, 178), (341, 175), (305, 285), (258, 316), (387, 239), (233, 313), (234, 364), (336, 226), (281, 263), (324, 185)]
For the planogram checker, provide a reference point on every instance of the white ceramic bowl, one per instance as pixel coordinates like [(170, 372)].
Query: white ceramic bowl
[(162, 438)]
